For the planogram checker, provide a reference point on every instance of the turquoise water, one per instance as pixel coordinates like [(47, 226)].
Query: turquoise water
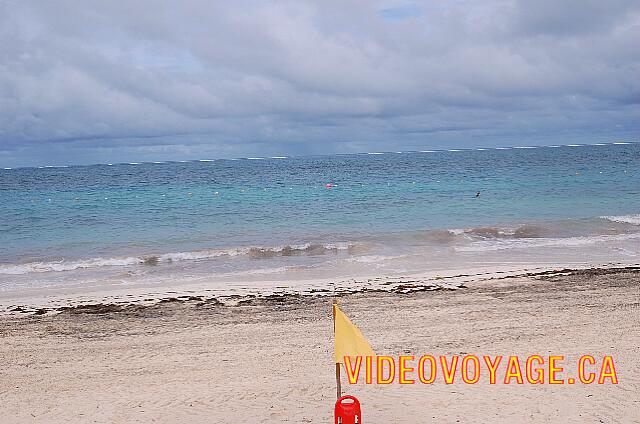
[(243, 214)]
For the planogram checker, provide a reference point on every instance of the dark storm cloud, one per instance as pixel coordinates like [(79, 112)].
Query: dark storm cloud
[(104, 81), (571, 16)]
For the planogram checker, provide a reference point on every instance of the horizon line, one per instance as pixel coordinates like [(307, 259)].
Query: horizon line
[(453, 149)]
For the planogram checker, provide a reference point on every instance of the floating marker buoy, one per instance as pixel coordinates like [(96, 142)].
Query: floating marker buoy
[(328, 185)]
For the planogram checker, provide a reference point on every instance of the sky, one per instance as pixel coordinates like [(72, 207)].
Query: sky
[(102, 81)]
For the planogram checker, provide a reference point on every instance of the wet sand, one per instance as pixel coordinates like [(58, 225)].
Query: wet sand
[(270, 360)]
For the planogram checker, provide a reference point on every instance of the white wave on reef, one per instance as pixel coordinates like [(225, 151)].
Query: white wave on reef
[(624, 219), (309, 249)]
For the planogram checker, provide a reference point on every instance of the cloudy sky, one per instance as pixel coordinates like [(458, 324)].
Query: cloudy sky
[(108, 81)]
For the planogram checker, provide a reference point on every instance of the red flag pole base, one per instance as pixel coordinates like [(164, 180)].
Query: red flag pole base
[(347, 410)]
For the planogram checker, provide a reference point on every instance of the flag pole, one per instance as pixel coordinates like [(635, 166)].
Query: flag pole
[(338, 385), (338, 382)]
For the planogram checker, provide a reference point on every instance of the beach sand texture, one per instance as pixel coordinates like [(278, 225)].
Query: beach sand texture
[(270, 361)]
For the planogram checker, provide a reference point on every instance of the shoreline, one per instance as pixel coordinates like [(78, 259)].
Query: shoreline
[(121, 299)]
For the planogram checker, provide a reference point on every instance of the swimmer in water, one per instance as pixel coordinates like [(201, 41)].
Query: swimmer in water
[(478, 194)]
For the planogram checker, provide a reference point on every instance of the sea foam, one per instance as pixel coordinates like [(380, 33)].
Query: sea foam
[(624, 219)]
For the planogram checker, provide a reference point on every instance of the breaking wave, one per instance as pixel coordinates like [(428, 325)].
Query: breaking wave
[(577, 232), (483, 246), (553, 233), (307, 249), (624, 219), (525, 231)]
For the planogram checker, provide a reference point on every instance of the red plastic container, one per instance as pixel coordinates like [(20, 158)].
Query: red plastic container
[(347, 410)]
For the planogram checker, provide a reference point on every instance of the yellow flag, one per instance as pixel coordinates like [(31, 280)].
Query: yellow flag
[(349, 341)]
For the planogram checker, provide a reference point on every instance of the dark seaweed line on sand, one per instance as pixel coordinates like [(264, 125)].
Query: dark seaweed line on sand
[(405, 287)]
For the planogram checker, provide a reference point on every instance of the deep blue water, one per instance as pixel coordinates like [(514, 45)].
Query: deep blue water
[(155, 208)]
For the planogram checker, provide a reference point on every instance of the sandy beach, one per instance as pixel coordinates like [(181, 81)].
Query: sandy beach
[(211, 210), (270, 360)]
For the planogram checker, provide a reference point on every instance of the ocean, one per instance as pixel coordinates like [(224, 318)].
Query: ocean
[(331, 216)]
